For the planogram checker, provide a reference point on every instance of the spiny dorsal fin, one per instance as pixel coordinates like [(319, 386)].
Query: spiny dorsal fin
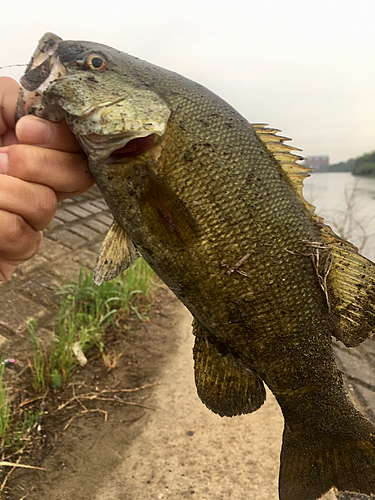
[(282, 153), (116, 254)]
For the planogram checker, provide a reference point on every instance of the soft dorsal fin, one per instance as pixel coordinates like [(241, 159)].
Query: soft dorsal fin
[(351, 282), (223, 383), (346, 277), (282, 152), (116, 254)]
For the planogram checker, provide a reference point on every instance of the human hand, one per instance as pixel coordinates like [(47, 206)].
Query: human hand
[(40, 163)]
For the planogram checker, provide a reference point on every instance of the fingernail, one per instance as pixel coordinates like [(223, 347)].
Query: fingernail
[(33, 130), (3, 163)]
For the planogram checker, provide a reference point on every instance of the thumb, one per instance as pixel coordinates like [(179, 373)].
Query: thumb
[(39, 132)]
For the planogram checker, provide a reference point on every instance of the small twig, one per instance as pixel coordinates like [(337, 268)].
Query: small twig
[(130, 390), (316, 244), (296, 252), (83, 413), (242, 273), (129, 403), (78, 400), (28, 401), (238, 264), (322, 279), (63, 405), (14, 466), (19, 375), (94, 395)]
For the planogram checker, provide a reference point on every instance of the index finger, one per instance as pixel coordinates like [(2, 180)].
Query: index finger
[(8, 99), (39, 132)]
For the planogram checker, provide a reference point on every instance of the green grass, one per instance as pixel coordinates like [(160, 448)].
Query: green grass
[(85, 312), (38, 365), (5, 411), (21, 430), (15, 425)]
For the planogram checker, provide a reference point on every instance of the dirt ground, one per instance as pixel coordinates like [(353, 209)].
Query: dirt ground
[(158, 442), (117, 435)]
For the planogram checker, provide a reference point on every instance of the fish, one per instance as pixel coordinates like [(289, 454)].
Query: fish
[(214, 204)]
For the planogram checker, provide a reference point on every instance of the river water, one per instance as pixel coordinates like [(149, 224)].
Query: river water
[(347, 204)]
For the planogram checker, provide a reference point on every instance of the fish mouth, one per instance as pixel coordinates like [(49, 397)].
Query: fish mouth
[(111, 118), (42, 62), (116, 148), (44, 68)]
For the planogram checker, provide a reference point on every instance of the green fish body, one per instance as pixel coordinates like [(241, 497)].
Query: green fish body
[(214, 205)]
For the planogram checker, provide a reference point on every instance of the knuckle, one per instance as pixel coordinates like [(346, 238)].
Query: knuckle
[(19, 234), (16, 155), (46, 203), (19, 240), (17, 229)]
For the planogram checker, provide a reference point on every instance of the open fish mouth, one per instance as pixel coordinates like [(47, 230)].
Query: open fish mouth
[(109, 125), (117, 148)]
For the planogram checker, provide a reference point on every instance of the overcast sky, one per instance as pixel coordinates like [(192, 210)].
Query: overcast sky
[(304, 66)]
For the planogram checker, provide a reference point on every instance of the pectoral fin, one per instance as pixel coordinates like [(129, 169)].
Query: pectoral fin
[(166, 215), (224, 385), (116, 254)]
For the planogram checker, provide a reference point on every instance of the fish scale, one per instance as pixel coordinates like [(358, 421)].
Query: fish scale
[(215, 206)]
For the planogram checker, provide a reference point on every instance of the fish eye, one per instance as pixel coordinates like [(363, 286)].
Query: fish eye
[(95, 62)]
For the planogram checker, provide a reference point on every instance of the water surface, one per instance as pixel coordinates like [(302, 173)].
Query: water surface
[(347, 204)]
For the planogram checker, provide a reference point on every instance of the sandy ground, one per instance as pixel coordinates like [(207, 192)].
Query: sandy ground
[(180, 450), (186, 451)]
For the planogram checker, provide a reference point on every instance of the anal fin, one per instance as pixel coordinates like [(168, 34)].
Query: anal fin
[(223, 383), (116, 254)]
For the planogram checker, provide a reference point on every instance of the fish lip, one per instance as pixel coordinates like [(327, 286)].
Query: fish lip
[(43, 69), (30, 101), (101, 147), (42, 62)]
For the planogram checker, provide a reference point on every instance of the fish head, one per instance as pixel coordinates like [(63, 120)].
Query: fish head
[(109, 101), (112, 113)]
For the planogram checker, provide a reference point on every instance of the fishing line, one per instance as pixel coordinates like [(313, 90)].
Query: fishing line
[(12, 66)]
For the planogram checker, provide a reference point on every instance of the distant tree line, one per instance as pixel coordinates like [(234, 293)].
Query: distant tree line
[(364, 165), (343, 166)]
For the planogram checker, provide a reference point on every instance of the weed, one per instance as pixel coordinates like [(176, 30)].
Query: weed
[(85, 311), (61, 359), (111, 359), (38, 366), (4, 403), (22, 429)]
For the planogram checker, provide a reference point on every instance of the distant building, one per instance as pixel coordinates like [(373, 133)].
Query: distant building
[(317, 163)]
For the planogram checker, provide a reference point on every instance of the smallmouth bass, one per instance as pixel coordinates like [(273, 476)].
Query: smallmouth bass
[(214, 204)]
